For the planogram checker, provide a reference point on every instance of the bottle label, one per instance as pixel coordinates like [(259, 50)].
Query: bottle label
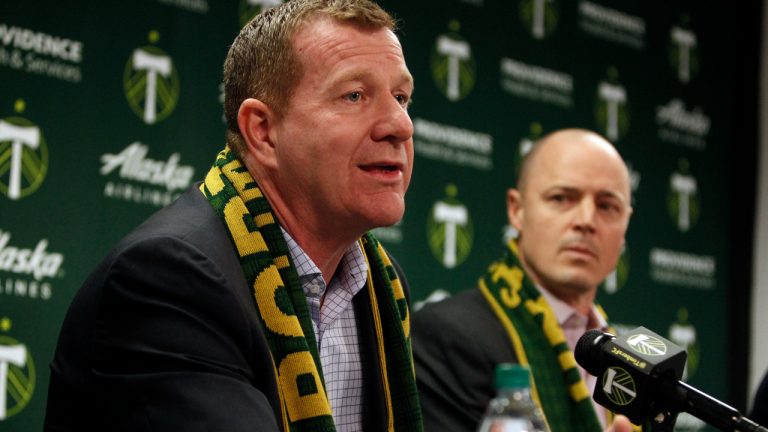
[(510, 425)]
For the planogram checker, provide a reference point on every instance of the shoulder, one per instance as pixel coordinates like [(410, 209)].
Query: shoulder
[(455, 320), (464, 304), (190, 219), (464, 324), (183, 247), (188, 230)]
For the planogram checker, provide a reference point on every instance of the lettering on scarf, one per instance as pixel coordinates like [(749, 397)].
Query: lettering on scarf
[(513, 277), (304, 393)]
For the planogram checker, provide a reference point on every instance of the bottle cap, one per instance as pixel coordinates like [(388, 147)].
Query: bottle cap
[(510, 375)]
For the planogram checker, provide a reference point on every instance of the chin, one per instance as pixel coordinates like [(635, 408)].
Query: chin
[(578, 281), (386, 220), (385, 211), (582, 284)]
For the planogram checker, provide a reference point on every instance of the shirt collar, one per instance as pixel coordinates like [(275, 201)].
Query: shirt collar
[(353, 262), (568, 316)]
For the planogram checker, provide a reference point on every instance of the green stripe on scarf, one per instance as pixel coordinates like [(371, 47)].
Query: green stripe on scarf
[(282, 307), (539, 341)]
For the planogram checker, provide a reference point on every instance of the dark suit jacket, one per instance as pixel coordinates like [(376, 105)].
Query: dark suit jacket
[(759, 413), (164, 336), (457, 344)]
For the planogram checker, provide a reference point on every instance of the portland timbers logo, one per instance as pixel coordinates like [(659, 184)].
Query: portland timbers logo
[(683, 51), (250, 8), (525, 145), (151, 82), (683, 203), (539, 17), (23, 156), (619, 386), (684, 334), (17, 374), (449, 230), (647, 345), (612, 108), (453, 66), (618, 277)]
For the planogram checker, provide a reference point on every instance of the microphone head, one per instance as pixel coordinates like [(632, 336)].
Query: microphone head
[(588, 349), (628, 368)]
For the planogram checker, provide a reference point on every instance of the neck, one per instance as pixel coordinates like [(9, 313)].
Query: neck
[(578, 296), (325, 253), (324, 244), (581, 301)]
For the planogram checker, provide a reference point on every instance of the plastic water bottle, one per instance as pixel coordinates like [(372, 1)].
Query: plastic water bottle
[(513, 409)]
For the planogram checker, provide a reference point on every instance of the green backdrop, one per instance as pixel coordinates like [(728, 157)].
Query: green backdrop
[(109, 109)]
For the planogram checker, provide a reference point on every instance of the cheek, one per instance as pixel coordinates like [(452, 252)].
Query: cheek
[(614, 244), (540, 242), (407, 177)]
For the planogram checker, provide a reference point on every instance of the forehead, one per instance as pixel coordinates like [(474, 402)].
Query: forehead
[(579, 165), (326, 39)]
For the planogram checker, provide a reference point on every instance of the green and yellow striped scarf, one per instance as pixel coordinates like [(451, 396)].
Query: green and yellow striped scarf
[(282, 307), (539, 340)]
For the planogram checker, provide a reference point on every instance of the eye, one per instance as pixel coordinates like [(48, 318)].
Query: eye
[(609, 206), (403, 100), (355, 96), (611, 210)]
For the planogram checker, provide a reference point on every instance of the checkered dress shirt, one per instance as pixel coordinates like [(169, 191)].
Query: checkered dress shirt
[(335, 326)]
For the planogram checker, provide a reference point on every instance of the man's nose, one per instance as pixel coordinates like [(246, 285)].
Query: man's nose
[(585, 215), (394, 123)]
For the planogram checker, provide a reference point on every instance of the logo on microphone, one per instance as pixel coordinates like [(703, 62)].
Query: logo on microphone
[(151, 82), (647, 345), (619, 386), (453, 67)]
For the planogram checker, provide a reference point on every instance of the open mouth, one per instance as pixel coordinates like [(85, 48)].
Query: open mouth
[(382, 168)]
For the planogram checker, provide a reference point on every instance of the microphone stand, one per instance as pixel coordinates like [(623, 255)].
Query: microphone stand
[(675, 397), (662, 420)]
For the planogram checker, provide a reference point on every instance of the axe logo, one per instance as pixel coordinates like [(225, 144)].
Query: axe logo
[(619, 386), (23, 156), (151, 82), (17, 373)]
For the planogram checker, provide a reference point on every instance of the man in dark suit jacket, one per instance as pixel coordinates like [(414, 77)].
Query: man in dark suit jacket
[(258, 301), (571, 210)]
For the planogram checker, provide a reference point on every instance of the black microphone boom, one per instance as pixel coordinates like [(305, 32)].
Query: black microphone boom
[(639, 376)]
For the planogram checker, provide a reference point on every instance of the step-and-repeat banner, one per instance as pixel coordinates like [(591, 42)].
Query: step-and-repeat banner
[(109, 109)]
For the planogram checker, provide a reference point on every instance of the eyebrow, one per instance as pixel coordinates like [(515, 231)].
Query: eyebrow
[(600, 193), (358, 75)]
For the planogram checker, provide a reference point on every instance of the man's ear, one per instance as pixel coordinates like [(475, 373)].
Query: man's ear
[(255, 120), (515, 212)]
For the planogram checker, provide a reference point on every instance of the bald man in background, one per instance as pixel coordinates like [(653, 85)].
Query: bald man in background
[(571, 209)]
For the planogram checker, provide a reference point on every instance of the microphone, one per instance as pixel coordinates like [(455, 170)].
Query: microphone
[(639, 376)]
